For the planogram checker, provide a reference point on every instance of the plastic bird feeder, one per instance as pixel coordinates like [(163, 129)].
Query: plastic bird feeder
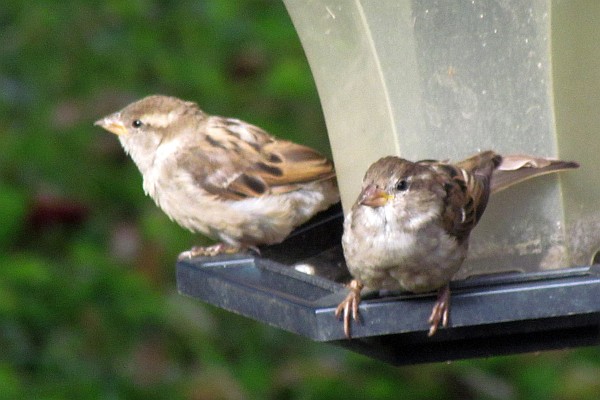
[(445, 79)]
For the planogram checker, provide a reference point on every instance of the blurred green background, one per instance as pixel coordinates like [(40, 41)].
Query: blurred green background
[(88, 305)]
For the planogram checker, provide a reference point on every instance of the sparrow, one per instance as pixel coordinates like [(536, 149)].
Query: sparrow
[(409, 228), (224, 178)]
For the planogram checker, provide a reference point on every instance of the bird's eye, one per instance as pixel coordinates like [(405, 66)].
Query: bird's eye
[(402, 185), (136, 123)]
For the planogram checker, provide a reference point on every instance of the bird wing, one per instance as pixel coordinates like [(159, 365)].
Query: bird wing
[(239, 160), (467, 185)]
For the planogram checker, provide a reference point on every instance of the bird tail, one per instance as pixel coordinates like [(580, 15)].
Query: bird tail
[(517, 168)]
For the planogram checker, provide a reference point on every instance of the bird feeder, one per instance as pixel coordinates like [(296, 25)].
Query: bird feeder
[(438, 79)]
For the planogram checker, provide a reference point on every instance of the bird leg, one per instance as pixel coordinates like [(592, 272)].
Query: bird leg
[(440, 311), (209, 251), (349, 306)]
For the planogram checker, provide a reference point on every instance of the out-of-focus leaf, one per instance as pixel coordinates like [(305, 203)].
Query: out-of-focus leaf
[(13, 210)]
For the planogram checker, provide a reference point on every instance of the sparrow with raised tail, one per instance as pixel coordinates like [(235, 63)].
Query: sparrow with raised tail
[(222, 177), (409, 228)]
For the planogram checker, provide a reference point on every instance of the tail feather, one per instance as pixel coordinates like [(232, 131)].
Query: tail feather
[(517, 168)]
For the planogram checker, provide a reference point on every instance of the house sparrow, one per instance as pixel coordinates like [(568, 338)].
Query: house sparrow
[(222, 177), (409, 228)]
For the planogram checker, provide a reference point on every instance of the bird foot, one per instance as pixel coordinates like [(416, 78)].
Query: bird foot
[(349, 306), (440, 312), (209, 251)]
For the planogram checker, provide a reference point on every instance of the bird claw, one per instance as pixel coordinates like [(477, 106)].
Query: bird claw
[(208, 251), (349, 307), (440, 311)]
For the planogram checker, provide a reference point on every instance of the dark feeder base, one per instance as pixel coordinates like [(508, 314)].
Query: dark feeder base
[(490, 315)]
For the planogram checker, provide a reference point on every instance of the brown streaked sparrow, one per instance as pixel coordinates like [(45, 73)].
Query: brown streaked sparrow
[(409, 228), (222, 177)]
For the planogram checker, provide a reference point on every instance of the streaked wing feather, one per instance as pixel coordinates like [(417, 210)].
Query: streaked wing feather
[(467, 187), (240, 160), (299, 164)]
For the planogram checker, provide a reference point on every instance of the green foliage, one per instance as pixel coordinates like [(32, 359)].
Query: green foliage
[(88, 305), (13, 209)]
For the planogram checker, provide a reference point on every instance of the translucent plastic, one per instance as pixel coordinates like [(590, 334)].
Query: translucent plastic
[(445, 79)]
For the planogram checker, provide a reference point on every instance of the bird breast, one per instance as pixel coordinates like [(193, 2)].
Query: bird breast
[(390, 253)]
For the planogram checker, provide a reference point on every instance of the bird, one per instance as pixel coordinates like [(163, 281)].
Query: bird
[(409, 228), (222, 177)]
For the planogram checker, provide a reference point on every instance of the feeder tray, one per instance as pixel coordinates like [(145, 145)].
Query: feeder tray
[(296, 286)]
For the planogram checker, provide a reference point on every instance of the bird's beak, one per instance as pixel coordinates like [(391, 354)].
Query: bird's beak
[(372, 196), (112, 124)]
